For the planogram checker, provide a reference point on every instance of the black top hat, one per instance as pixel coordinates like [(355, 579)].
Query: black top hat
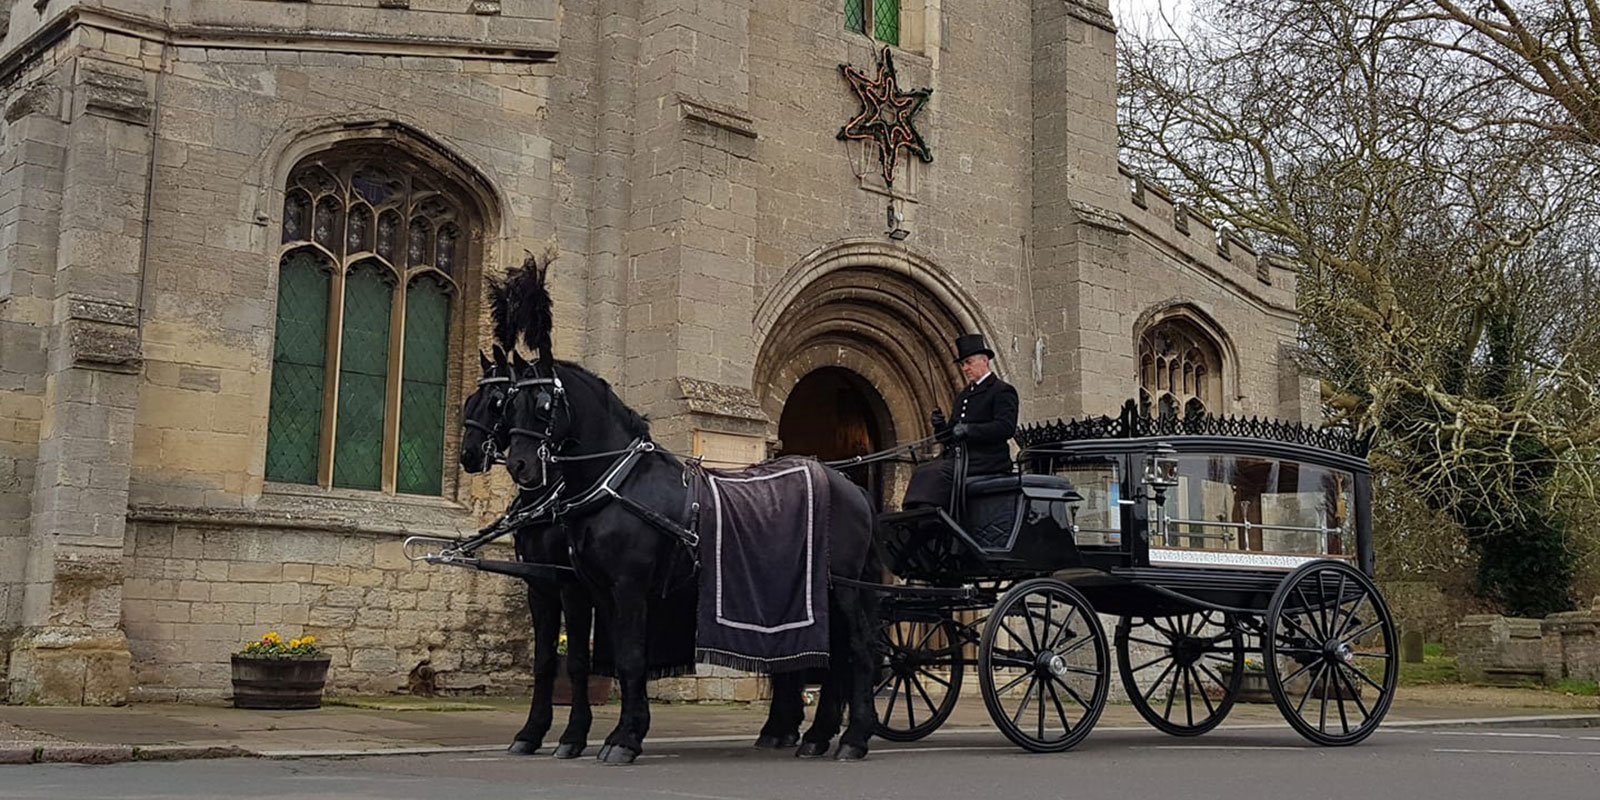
[(971, 344)]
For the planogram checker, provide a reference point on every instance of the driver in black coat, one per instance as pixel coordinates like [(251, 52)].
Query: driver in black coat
[(985, 419)]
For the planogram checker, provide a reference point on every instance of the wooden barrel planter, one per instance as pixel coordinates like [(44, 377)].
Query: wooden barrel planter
[(278, 682)]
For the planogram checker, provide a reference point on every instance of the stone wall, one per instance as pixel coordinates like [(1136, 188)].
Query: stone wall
[(200, 585), (1509, 650)]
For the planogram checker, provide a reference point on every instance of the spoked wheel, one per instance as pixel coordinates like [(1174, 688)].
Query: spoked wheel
[(920, 681), (1330, 653), (1044, 666), (1187, 676)]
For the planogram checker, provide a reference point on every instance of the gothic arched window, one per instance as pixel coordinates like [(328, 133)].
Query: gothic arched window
[(1180, 370), (372, 247)]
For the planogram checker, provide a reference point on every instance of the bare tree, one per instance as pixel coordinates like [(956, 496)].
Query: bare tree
[(1548, 49), (1442, 237)]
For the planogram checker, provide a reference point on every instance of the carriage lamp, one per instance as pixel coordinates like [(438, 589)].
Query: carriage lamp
[(1161, 474), (1161, 471)]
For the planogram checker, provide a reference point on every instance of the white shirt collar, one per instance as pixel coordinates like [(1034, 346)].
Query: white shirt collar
[(982, 379)]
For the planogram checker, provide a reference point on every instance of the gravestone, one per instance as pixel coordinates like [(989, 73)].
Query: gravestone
[(1411, 647)]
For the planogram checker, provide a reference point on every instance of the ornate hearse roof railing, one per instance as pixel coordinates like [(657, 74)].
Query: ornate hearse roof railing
[(1133, 423)]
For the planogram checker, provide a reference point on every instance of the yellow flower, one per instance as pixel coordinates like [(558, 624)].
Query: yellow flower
[(272, 637), (294, 643), (308, 639)]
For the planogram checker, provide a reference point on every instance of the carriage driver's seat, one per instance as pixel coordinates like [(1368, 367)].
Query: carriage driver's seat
[(995, 502)]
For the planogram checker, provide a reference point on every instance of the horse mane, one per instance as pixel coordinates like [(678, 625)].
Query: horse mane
[(632, 421)]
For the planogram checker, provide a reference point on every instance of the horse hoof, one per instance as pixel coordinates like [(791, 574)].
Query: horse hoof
[(619, 754), (522, 748), (570, 750), (850, 752), (787, 741), (812, 750), (768, 741), (605, 752)]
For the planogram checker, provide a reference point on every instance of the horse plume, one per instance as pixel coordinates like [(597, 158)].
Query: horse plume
[(531, 308), (500, 301)]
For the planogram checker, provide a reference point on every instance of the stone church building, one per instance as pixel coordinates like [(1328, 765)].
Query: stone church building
[(243, 246)]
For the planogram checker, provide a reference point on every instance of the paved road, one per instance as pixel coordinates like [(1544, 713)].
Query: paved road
[(1125, 764)]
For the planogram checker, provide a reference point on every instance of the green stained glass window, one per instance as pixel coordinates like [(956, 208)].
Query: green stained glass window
[(363, 377), (886, 21), (854, 17), (422, 387), (299, 357), (364, 210)]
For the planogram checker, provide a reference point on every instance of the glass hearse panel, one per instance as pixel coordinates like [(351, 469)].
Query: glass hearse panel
[(1256, 504), (1097, 520), (1260, 509)]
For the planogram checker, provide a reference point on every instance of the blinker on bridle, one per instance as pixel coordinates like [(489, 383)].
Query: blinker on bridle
[(545, 401), (491, 433)]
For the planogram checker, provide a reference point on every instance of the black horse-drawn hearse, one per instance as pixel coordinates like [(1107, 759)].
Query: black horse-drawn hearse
[(1228, 549), (1211, 539)]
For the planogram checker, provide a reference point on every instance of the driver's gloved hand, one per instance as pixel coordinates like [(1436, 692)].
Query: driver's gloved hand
[(960, 431)]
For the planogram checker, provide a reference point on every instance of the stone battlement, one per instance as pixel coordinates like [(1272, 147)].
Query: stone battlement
[(1154, 209), (493, 29)]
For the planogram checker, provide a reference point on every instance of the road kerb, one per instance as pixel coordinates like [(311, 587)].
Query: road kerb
[(108, 754)]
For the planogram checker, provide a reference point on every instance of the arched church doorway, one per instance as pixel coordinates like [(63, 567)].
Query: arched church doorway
[(833, 413), (855, 331)]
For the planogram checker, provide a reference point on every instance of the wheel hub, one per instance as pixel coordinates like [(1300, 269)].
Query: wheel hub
[(1049, 662), (1186, 650), (1339, 652)]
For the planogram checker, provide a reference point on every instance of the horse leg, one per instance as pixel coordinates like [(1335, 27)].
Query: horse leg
[(626, 741), (545, 607), (830, 705), (859, 615), (784, 715), (579, 612)]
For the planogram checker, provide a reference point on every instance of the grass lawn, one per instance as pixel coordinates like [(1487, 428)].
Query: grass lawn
[(1436, 667)]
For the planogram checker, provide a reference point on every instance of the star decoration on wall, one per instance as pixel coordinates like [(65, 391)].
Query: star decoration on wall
[(886, 116)]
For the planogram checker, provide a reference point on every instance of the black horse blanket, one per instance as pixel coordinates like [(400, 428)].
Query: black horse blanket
[(764, 567)]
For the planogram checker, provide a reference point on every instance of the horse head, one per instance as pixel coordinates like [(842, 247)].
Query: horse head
[(540, 421), (484, 437)]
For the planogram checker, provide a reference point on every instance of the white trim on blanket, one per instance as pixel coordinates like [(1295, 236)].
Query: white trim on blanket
[(716, 497)]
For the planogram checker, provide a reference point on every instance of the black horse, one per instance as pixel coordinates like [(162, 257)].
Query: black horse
[(484, 440), (568, 425)]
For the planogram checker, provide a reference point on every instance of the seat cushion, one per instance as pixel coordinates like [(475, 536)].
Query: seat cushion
[(988, 484)]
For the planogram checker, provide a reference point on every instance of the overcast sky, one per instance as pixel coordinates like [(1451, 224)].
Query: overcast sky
[(1129, 11)]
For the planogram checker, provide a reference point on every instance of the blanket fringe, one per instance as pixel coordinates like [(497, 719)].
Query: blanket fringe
[(746, 664)]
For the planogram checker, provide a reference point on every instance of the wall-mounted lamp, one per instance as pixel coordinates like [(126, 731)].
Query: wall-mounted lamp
[(896, 232)]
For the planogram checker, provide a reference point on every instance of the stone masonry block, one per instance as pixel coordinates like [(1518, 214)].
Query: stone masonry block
[(248, 572)]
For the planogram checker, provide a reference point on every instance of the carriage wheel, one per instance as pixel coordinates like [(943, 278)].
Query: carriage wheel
[(1330, 653), (1044, 666), (920, 682), (1196, 664)]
